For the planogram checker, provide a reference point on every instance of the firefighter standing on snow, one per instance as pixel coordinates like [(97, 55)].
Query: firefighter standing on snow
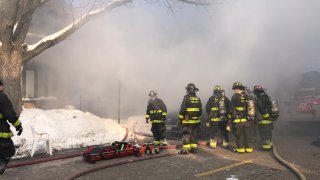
[(266, 114), (218, 109), (157, 113), (7, 113), (189, 116), (242, 116)]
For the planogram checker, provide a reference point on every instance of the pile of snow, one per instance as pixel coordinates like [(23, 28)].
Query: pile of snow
[(138, 124), (67, 128)]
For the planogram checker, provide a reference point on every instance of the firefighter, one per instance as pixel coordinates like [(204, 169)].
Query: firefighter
[(264, 117), (218, 110), (189, 116), (157, 113), (242, 118), (7, 114)]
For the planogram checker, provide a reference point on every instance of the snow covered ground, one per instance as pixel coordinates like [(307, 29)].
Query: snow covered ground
[(71, 128)]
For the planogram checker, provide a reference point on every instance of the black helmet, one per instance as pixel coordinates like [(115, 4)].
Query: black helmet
[(191, 88), (152, 93), (258, 88), (218, 88), (238, 85)]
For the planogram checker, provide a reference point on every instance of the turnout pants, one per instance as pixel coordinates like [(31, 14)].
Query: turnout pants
[(215, 126), (244, 137), (158, 130), (265, 132), (190, 136), (7, 150)]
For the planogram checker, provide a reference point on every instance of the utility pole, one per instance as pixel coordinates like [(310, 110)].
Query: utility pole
[(119, 100)]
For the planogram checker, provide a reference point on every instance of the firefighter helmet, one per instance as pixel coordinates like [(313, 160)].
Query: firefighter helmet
[(258, 88), (153, 93), (238, 85), (218, 88), (191, 88)]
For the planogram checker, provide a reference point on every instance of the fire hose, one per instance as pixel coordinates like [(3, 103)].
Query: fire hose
[(100, 167), (291, 167)]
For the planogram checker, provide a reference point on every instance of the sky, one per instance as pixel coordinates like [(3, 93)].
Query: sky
[(150, 47)]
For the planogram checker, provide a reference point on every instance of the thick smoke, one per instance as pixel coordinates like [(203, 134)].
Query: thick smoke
[(147, 47)]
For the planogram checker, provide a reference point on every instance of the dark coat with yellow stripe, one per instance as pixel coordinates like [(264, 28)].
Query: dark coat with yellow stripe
[(191, 108), (156, 110), (212, 106), (7, 114), (239, 106)]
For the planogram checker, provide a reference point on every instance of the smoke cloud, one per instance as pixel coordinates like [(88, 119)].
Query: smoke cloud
[(147, 47)]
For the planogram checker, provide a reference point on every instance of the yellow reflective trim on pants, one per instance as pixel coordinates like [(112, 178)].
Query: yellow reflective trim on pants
[(240, 108), (164, 113), (265, 122), (215, 109), (266, 115), (239, 120), (155, 111), (190, 121), (180, 116), (213, 143), (1, 116), (6, 135), (249, 150), (216, 119), (147, 116), (192, 109), (194, 145), (17, 123), (187, 146), (156, 121), (240, 150), (156, 142), (266, 146), (225, 144)]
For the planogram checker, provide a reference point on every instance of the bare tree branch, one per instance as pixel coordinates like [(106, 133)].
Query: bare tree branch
[(27, 9), (47, 42), (43, 2), (196, 2)]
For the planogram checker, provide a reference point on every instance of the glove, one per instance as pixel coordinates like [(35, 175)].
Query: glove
[(19, 129), (147, 120), (207, 124), (228, 128)]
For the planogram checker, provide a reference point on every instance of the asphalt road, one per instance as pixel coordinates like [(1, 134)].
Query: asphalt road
[(294, 143), (293, 140)]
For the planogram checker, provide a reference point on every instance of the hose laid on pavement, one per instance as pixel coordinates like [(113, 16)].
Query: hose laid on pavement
[(287, 164), (100, 167)]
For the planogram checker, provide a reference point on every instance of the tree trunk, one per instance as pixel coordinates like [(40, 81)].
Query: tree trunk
[(10, 74)]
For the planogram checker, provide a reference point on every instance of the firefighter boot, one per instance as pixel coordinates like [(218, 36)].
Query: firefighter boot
[(194, 150), (184, 151), (225, 144), (213, 143)]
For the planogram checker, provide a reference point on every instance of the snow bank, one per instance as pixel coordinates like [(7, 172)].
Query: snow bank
[(138, 124), (67, 129)]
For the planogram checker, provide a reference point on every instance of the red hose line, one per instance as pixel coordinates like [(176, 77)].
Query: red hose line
[(97, 168), (42, 160)]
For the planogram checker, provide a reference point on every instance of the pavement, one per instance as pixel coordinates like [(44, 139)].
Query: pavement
[(293, 140)]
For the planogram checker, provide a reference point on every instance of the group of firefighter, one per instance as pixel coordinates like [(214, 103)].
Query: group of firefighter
[(245, 114)]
